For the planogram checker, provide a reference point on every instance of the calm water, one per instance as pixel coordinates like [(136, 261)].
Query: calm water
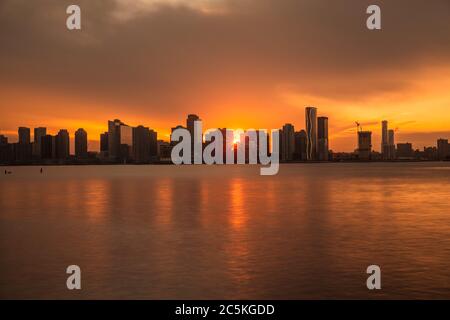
[(224, 232)]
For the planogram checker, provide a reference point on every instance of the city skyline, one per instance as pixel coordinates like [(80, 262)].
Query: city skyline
[(140, 144)]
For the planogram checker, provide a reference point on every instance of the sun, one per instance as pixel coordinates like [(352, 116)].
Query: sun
[(237, 136)]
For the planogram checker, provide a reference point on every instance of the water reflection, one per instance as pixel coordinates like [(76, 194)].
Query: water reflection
[(226, 232)]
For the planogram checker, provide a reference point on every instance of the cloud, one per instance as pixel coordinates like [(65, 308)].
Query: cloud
[(219, 57)]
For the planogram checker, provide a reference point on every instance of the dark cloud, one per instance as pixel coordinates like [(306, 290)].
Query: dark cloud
[(176, 58)]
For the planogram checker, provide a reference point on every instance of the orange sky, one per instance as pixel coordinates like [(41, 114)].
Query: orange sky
[(237, 64)]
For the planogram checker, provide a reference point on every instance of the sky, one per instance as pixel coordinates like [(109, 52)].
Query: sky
[(235, 63)]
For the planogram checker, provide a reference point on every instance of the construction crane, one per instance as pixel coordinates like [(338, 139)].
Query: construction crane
[(358, 126)]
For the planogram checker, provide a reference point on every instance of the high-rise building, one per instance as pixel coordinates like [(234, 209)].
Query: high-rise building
[(311, 133), (322, 139), (153, 145), (38, 134), (364, 145), (141, 144), (190, 125), (287, 142), (24, 135), (384, 140), (47, 147), (120, 140), (300, 145), (81, 144), (62, 144), (23, 149), (190, 121), (391, 143), (104, 142), (443, 149)]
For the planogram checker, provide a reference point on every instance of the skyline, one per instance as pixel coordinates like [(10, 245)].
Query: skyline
[(315, 133), (375, 128), (239, 64)]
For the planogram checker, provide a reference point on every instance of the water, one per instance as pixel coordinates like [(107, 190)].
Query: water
[(225, 232)]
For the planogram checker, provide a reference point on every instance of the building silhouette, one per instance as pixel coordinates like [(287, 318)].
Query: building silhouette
[(391, 144), (311, 133), (120, 140), (190, 124), (104, 145), (24, 135), (81, 144), (364, 145), (47, 147), (405, 151), (62, 144), (287, 139), (384, 139), (443, 149), (38, 134), (322, 139), (300, 145), (141, 144)]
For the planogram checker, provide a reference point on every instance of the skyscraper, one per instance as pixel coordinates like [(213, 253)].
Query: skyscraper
[(364, 145), (38, 134), (24, 135), (141, 144), (391, 143), (287, 142), (384, 140), (47, 147), (120, 138), (322, 138), (153, 145), (104, 142), (81, 144), (62, 144), (300, 145), (190, 125), (23, 149), (311, 133)]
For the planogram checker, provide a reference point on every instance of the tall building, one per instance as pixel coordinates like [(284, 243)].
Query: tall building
[(311, 133), (104, 142), (141, 144), (384, 140), (391, 143), (23, 149), (364, 145), (120, 140), (38, 134), (300, 145), (62, 144), (153, 145), (47, 147), (190, 124), (24, 135), (322, 139), (81, 144), (287, 142), (443, 149)]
